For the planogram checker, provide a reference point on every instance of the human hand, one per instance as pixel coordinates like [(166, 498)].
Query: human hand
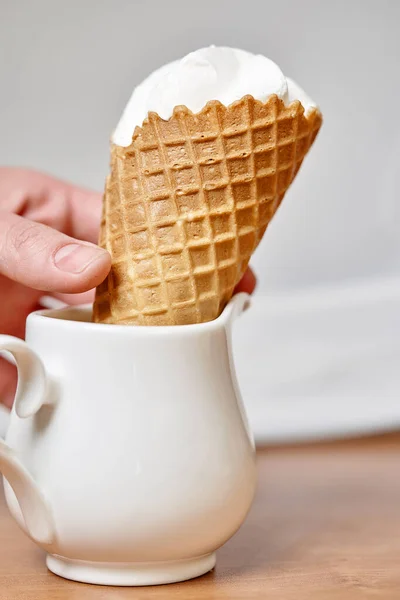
[(248, 282), (48, 229), (42, 223)]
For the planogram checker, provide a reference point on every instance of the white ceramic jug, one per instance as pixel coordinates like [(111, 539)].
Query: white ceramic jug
[(128, 456)]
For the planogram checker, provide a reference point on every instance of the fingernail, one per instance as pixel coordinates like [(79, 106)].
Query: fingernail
[(75, 258)]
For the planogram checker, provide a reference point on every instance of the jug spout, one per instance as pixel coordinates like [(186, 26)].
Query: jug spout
[(238, 304), (30, 396)]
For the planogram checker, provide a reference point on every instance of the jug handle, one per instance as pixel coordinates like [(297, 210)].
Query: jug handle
[(29, 398)]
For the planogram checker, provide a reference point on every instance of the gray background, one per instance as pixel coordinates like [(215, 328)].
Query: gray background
[(67, 69), (318, 353)]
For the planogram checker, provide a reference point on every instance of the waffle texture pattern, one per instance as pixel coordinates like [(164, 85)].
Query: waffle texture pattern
[(187, 203)]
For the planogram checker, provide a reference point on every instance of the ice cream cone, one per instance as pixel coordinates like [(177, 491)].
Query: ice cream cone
[(187, 203)]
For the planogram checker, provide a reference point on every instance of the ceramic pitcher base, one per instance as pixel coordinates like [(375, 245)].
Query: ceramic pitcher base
[(130, 574)]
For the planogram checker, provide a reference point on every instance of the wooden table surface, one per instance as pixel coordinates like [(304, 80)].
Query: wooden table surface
[(325, 525)]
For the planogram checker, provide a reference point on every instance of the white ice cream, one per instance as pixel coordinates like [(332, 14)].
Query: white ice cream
[(214, 73)]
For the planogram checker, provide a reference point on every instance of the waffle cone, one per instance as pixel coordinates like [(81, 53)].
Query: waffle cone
[(187, 203)]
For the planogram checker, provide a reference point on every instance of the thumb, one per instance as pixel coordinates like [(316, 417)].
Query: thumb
[(45, 259)]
